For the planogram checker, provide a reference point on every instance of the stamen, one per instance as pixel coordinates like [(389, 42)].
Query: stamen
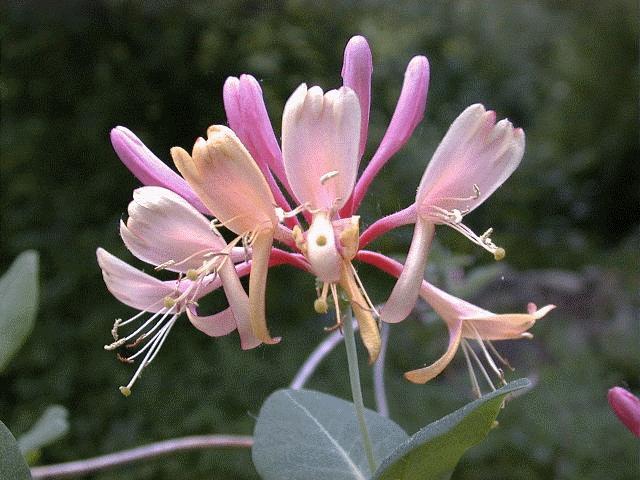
[(153, 348), (475, 386), (453, 218), (492, 364), (479, 363), (336, 303), (364, 292), (502, 359)]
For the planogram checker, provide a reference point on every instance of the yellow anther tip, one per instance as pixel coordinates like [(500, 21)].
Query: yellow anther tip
[(126, 391), (192, 274), (320, 305), (499, 254), (169, 302)]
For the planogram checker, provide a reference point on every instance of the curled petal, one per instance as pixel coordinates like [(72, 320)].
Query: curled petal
[(228, 181), (405, 292), (320, 141), (239, 304), (356, 74), (369, 332), (148, 168), (162, 226), (406, 117), (423, 375), (475, 157), (139, 290), (261, 248), (216, 325)]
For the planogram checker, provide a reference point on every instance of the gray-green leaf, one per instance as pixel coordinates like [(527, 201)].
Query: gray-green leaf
[(303, 434), (12, 465), (51, 425), (18, 304), (433, 452)]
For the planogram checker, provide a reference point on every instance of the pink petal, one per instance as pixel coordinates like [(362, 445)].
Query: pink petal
[(248, 118), (162, 226), (217, 325), (423, 375), (320, 141), (228, 181), (405, 293), (148, 168), (476, 154), (627, 407), (408, 114), (356, 74), (139, 290)]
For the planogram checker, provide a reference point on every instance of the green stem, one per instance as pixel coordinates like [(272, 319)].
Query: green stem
[(356, 390)]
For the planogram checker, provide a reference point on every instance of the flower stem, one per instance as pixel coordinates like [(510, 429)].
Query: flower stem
[(356, 390)]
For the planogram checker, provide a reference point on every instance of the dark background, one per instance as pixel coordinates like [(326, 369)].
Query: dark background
[(567, 72)]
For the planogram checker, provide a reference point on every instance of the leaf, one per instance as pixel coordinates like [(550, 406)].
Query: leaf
[(433, 452), (303, 434), (12, 465), (51, 425), (18, 304)]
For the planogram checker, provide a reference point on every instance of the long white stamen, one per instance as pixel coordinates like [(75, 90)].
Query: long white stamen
[(502, 359), (453, 219), (492, 364), (139, 314), (475, 386), (479, 363), (154, 348)]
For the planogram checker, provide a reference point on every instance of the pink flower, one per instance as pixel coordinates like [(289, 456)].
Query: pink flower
[(627, 407), (235, 175)]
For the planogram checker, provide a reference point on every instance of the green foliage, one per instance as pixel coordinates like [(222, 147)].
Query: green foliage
[(12, 465), (434, 451), (18, 304), (307, 434), (52, 424)]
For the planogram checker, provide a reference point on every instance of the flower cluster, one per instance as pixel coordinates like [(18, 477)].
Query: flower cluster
[(304, 194)]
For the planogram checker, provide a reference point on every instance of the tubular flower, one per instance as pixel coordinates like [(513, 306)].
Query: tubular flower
[(474, 158), (467, 324), (236, 174)]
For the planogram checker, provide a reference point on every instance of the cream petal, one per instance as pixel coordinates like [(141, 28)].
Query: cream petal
[(474, 158), (405, 292), (216, 325), (239, 304), (228, 181), (261, 249), (423, 375), (162, 226), (131, 286), (320, 143)]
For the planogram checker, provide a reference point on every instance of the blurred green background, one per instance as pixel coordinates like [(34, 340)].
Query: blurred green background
[(567, 72)]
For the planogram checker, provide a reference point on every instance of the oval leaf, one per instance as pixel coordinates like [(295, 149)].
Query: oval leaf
[(18, 304), (303, 434), (51, 425), (433, 452), (12, 465)]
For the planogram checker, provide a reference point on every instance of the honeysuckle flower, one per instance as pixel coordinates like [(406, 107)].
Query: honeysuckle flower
[(466, 323), (235, 175), (474, 158), (627, 408)]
